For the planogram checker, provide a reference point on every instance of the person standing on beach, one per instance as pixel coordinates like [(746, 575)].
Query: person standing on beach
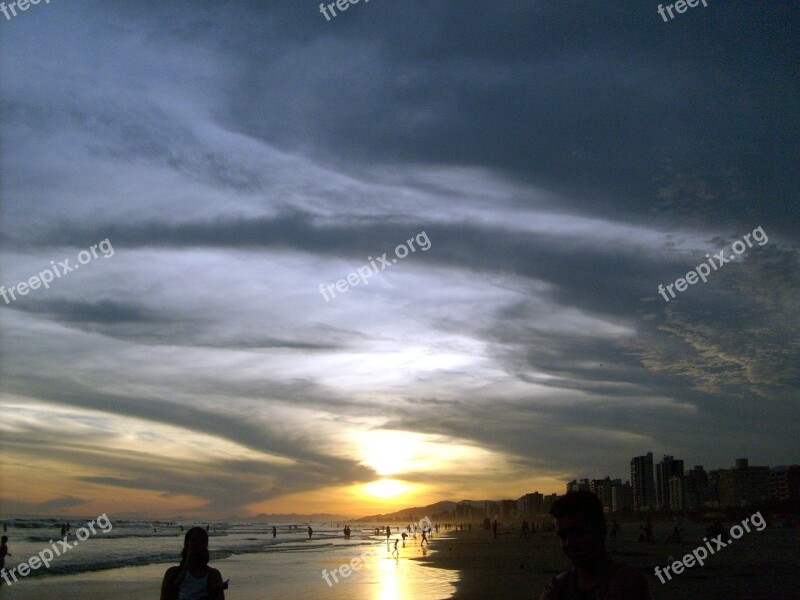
[(274, 531), (581, 526), (193, 578), (310, 532), (494, 528), (523, 532), (4, 552), (614, 529)]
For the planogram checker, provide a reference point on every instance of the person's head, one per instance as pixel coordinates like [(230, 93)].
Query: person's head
[(195, 547), (3, 539), (581, 526)]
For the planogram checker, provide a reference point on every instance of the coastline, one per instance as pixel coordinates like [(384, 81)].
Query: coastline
[(264, 576), (461, 565), (763, 566)]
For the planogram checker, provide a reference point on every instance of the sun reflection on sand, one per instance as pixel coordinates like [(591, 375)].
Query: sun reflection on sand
[(405, 579)]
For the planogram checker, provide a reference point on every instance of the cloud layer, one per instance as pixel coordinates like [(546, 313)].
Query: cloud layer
[(564, 162)]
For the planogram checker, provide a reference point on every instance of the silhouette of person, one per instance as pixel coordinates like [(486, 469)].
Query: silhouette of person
[(424, 539), (388, 532), (494, 528), (3, 552), (193, 578), (676, 536), (310, 532), (63, 530), (614, 529), (581, 526), (396, 552), (274, 531)]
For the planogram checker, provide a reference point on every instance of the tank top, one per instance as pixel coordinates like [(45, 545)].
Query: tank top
[(194, 588)]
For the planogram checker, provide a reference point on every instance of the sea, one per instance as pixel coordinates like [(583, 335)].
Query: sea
[(259, 565)]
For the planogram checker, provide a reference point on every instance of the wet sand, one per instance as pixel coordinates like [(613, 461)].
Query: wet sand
[(760, 565), (264, 576)]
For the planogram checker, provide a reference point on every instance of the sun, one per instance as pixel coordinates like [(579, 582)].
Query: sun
[(386, 488)]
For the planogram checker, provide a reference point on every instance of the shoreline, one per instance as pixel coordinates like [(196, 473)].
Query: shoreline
[(263, 576), (461, 565), (764, 566)]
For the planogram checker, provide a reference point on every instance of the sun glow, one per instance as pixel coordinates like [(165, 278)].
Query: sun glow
[(386, 488)]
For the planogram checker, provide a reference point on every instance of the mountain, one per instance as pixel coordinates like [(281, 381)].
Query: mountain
[(413, 514)]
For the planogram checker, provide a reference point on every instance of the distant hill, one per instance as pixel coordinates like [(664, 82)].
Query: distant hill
[(418, 512)]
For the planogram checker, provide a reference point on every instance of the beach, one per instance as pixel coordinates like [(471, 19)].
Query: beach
[(760, 565), (258, 566), (460, 565)]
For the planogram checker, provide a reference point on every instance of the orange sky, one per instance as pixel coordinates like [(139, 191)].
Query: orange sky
[(87, 473)]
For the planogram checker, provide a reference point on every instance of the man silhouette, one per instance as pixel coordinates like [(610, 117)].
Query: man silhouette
[(581, 526)]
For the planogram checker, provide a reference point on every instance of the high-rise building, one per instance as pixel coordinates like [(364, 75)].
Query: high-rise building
[(696, 488), (602, 489), (666, 469), (508, 509), (642, 482), (784, 483), (622, 498), (677, 492), (469, 511), (548, 502), (530, 505), (743, 485), (713, 487), (578, 486)]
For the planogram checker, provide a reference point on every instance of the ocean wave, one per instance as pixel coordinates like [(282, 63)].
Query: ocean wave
[(115, 561)]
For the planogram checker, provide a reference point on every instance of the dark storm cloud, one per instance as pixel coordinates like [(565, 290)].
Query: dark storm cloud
[(591, 274), (144, 325), (606, 103), (101, 312)]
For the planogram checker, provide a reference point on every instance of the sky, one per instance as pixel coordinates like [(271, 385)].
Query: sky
[(552, 164)]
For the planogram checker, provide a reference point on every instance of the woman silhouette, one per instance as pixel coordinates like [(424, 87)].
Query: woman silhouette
[(193, 579)]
